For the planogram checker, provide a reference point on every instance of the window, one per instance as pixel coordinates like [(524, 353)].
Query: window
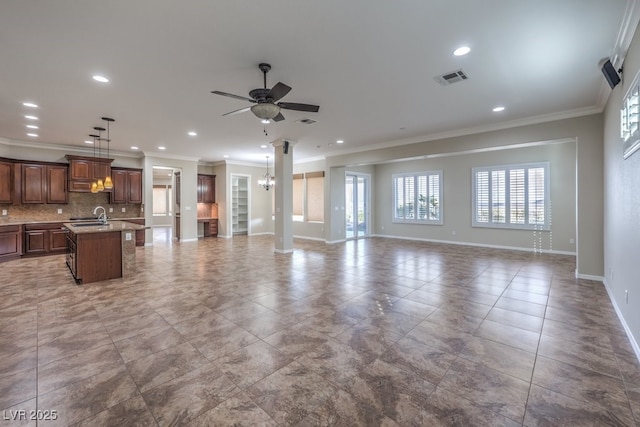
[(298, 197), (417, 198), (162, 200), (512, 196), (315, 196), (630, 119), (308, 197)]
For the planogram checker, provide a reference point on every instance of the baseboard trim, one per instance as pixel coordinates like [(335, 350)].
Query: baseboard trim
[(480, 245), (627, 330), (332, 242), (589, 277), (283, 251), (317, 239)]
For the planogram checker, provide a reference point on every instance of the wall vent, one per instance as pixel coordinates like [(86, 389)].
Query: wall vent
[(307, 121), (451, 77)]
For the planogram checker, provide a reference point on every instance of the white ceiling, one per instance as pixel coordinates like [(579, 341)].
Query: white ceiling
[(368, 64)]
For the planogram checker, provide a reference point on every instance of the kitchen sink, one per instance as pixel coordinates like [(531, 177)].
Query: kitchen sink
[(88, 224)]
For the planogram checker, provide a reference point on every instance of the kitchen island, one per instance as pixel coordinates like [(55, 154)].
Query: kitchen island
[(97, 252)]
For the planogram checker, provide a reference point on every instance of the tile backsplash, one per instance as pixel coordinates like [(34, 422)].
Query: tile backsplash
[(80, 205)]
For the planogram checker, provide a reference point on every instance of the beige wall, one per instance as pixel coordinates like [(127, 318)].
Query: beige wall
[(457, 199), (260, 200), (587, 131), (622, 202)]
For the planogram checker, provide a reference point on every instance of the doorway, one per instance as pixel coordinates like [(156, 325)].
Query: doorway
[(357, 205), (240, 204)]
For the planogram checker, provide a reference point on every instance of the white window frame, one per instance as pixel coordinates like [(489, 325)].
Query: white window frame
[(490, 223), (415, 175), (630, 119)]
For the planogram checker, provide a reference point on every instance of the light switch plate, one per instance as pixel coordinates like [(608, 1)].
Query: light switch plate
[(124, 209), (4, 211), (110, 210), (127, 236), (59, 211)]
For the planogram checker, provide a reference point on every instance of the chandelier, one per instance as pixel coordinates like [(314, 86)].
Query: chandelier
[(267, 181)]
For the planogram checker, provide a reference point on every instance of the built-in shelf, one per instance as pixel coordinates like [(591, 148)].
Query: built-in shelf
[(239, 204)]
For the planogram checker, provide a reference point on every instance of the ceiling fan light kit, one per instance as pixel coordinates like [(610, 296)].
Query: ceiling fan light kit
[(265, 107), (265, 110)]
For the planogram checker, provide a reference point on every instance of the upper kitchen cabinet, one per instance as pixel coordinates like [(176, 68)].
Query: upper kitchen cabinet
[(206, 188), (6, 182), (43, 183), (127, 186), (84, 170)]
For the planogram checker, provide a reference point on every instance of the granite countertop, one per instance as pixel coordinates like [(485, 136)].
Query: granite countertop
[(115, 225), (21, 221), (205, 218)]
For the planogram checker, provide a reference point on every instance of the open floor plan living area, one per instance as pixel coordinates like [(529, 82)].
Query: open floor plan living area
[(369, 332), (337, 213)]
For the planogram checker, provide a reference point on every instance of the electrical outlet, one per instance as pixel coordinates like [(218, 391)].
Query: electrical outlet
[(453, 232), (110, 210), (572, 241), (124, 209), (127, 236), (59, 211), (4, 212)]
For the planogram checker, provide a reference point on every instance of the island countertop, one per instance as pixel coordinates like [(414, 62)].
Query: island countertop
[(113, 225)]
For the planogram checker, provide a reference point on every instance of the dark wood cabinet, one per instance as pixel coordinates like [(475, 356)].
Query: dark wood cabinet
[(178, 188), (127, 186), (43, 183), (10, 241), (84, 170), (33, 180), (57, 184), (206, 188), (44, 239), (6, 182), (85, 263)]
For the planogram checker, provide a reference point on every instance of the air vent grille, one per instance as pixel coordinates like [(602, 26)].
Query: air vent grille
[(451, 77), (307, 121)]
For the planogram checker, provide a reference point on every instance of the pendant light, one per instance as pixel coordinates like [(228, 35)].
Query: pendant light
[(100, 182), (108, 184), (94, 184)]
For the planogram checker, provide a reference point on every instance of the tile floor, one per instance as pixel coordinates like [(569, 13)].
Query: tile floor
[(370, 332)]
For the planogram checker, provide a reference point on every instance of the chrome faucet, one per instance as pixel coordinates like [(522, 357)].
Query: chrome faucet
[(103, 216)]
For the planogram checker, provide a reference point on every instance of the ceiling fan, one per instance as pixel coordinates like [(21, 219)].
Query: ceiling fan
[(266, 106)]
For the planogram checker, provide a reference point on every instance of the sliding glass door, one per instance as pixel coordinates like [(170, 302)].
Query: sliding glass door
[(356, 205)]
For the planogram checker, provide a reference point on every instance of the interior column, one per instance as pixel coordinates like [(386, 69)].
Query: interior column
[(284, 196)]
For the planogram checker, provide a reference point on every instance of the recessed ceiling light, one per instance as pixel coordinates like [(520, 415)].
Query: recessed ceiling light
[(462, 50), (266, 121), (88, 142), (169, 174), (498, 109), (162, 148), (33, 127), (134, 147), (30, 104), (263, 146), (31, 117), (101, 79), (32, 134), (339, 141), (225, 156), (192, 133)]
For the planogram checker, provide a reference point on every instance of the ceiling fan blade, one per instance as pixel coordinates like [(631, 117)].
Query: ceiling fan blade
[(242, 110), (299, 107), (278, 118), (278, 91), (230, 95)]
